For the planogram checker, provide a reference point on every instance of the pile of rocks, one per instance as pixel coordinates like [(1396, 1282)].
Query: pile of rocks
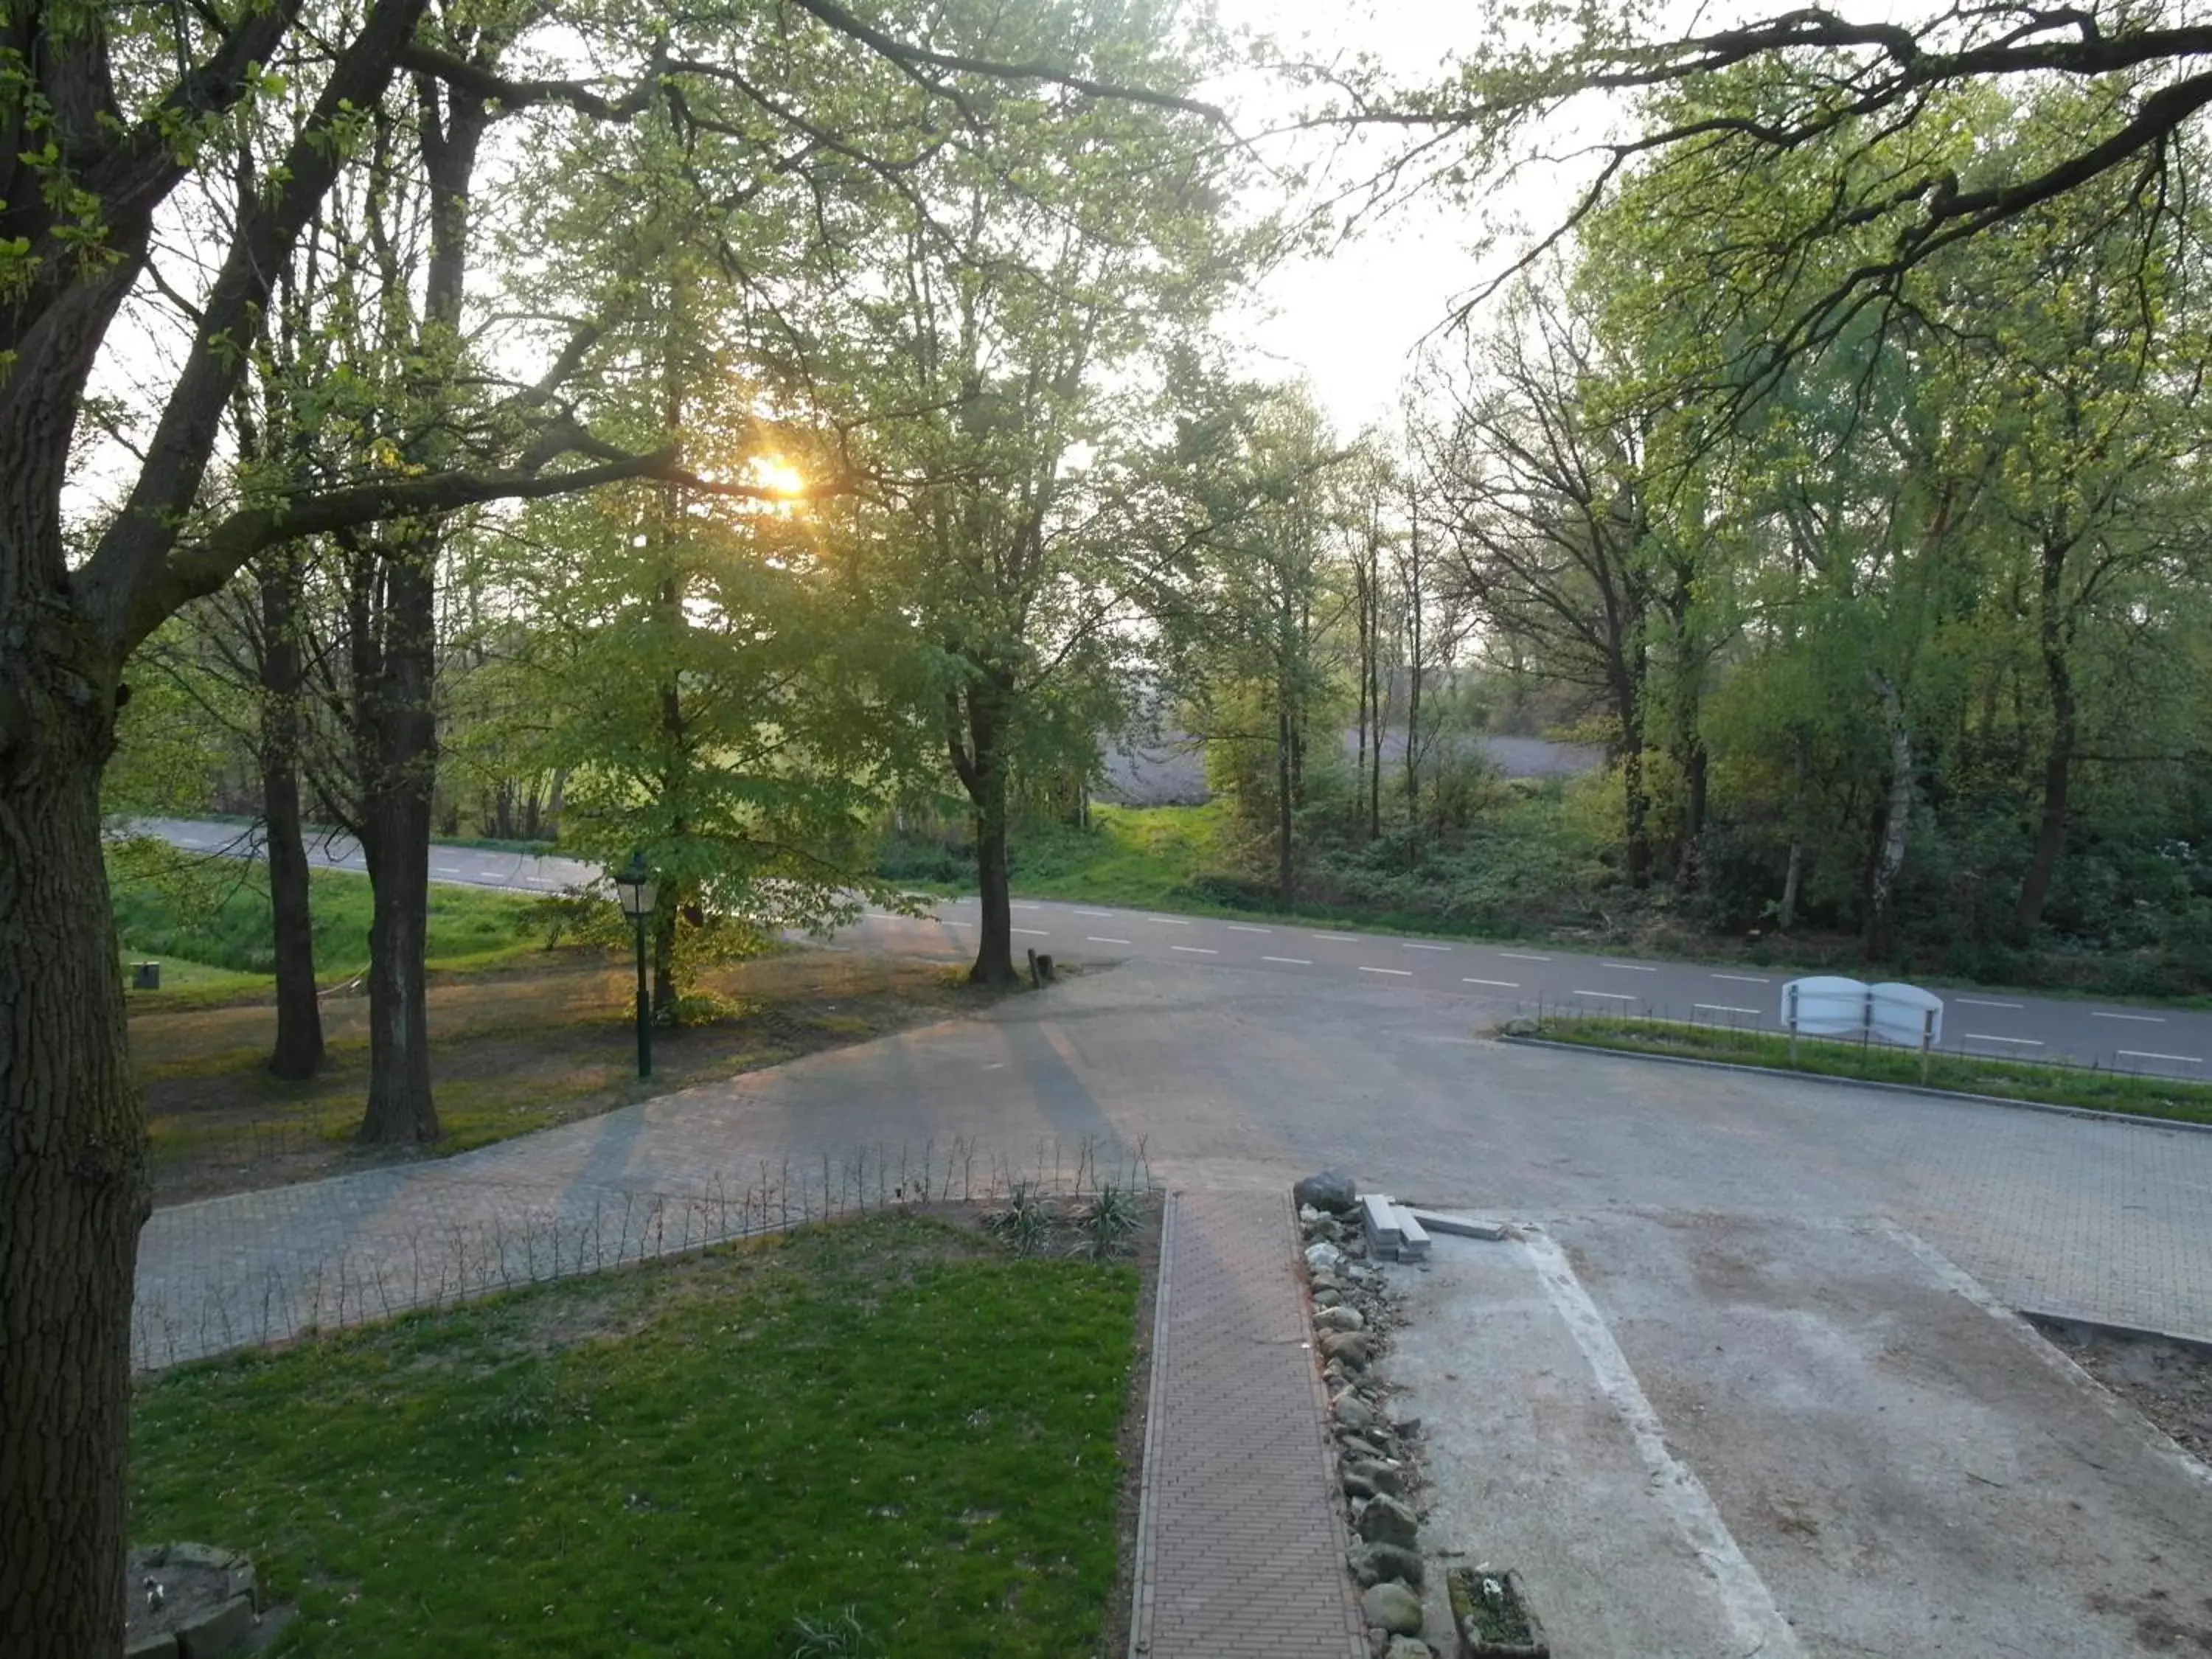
[(1376, 1464)]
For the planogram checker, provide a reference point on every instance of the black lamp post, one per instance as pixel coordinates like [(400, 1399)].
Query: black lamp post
[(633, 887)]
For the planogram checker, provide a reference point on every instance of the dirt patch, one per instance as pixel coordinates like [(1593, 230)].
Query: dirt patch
[(2169, 1383), (512, 1051)]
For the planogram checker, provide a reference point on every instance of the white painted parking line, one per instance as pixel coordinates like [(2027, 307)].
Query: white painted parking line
[(1518, 956), (1984, 1037), (1403, 973), (1629, 967), (1609, 996), (1410, 946), (1239, 927), (1502, 984), (1095, 938), (1169, 921), (1744, 979), (1194, 950), (2139, 1019), (1294, 961), (2179, 1059), (1094, 913), (1039, 932), (1975, 1002), (1722, 1008)]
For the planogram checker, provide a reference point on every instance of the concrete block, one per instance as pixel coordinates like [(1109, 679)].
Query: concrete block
[(158, 1644), (1459, 1226), (1380, 1216), (1413, 1243), (217, 1631)]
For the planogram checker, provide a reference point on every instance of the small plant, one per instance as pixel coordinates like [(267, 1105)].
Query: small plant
[(1025, 1223), (834, 1636), (526, 1403), (1108, 1222)]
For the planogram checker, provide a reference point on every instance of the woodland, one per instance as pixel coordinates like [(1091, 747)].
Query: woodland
[(741, 433)]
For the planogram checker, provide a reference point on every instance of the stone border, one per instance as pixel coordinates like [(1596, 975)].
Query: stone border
[(1141, 1586), (2092, 1114)]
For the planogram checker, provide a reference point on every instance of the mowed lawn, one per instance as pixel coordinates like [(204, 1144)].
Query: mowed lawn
[(889, 1430)]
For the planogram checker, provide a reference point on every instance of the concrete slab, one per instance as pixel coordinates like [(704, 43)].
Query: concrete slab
[(1897, 1467)]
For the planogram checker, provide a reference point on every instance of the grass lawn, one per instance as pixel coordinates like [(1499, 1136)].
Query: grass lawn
[(540, 1042), (887, 1425), (2103, 1092), (217, 917)]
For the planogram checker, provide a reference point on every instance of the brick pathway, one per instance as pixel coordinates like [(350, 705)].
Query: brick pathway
[(1240, 1549)]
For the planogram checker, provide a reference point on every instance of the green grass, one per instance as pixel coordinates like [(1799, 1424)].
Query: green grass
[(2123, 1092), (885, 1416), (216, 916)]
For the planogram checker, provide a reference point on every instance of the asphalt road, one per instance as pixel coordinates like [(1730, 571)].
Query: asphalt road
[(1496, 980)]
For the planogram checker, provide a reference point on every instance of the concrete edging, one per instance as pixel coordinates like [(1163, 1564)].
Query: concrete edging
[(1140, 1581), (2135, 1119)]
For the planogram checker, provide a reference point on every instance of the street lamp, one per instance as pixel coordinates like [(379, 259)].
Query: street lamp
[(634, 887)]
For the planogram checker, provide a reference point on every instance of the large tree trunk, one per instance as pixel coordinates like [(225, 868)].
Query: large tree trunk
[(994, 948), (2059, 764), (1695, 785), (73, 1192), (398, 785), (1897, 823), (299, 1051)]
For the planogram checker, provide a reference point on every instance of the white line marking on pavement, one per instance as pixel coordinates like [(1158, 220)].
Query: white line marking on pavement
[(1722, 1008), (1239, 927), (1629, 967), (1169, 921), (1094, 913), (1403, 973), (447, 869), (1609, 996), (1502, 984), (1294, 961), (1517, 955), (1760, 1627), (1195, 950), (884, 915), (2185, 1060), (1095, 940), (1984, 1037), (1040, 932), (1410, 946), (1024, 904), (1975, 1002), (1744, 979), (2139, 1019), (1337, 938)]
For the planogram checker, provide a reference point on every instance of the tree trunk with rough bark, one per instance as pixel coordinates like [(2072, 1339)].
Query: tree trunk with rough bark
[(1695, 786), (72, 1188), (1897, 823), (299, 1051), (2055, 639)]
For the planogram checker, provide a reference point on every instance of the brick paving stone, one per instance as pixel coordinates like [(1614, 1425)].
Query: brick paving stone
[(1240, 1546)]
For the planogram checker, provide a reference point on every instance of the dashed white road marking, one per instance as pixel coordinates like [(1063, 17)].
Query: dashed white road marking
[(1722, 1008), (1608, 996), (1169, 921), (1097, 939), (2182, 1059), (1240, 928), (1975, 1002), (1024, 904), (1629, 967), (1502, 984), (1410, 945), (1038, 931), (1403, 973), (446, 869), (1094, 913), (1984, 1037), (1745, 979), (2139, 1019), (1759, 1626), (1195, 950), (1521, 955), (1294, 961)]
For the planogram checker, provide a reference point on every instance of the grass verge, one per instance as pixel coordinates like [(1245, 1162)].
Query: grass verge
[(885, 1427), (214, 913), (2125, 1092)]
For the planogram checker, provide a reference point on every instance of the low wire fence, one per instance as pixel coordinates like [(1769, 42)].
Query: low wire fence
[(206, 1289)]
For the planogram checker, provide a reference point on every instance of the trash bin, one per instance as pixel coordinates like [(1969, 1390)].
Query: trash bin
[(146, 976)]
